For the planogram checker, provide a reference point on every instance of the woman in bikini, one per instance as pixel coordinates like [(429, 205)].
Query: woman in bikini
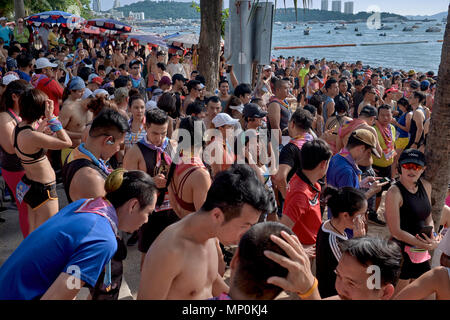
[(188, 178), (12, 170), (37, 188)]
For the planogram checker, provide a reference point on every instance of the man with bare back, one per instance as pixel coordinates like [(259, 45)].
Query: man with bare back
[(74, 115), (117, 57), (182, 263)]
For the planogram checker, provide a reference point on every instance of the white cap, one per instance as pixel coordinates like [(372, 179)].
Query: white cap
[(9, 78), (92, 76), (239, 108), (100, 91), (44, 63), (3, 18), (223, 119), (151, 105), (267, 67)]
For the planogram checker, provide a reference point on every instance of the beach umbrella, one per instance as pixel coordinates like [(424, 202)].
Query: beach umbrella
[(187, 40), (61, 18), (146, 38), (110, 24)]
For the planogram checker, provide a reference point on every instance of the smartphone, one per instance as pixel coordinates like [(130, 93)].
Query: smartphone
[(426, 230), (382, 180), (229, 69)]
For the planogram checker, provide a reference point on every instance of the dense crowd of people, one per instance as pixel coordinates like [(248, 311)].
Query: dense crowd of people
[(293, 168)]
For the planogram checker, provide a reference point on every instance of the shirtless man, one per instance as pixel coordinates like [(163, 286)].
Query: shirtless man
[(85, 166), (153, 155), (117, 56), (74, 115), (182, 263)]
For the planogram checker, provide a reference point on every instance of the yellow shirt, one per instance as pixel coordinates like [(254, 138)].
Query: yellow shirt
[(52, 39)]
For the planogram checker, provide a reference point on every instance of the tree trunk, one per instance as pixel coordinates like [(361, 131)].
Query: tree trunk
[(209, 42), (438, 142), (19, 9)]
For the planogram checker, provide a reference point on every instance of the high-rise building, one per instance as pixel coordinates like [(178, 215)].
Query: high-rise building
[(348, 7), (336, 6), (116, 4), (324, 5), (96, 6)]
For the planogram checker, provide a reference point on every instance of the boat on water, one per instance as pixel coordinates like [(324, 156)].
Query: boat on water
[(385, 28), (439, 24), (415, 26), (383, 34), (341, 27), (306, 32), (289, 27), (329, 32), (408, 29), (359, 34), (433, 29), (356, 29), (278, 23)]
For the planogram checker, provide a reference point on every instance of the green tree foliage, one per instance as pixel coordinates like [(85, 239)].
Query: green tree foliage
[(36, 6), (162, 10)]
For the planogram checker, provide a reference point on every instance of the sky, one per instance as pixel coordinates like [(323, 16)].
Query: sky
[(403, 7)]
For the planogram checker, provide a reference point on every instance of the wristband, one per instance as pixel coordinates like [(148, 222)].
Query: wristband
[(55, 125), (310, 291)]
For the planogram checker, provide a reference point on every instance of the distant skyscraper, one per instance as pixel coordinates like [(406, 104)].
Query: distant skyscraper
[(348, 7), (96, 5), (336, 6), (116, 4), (324, 5)]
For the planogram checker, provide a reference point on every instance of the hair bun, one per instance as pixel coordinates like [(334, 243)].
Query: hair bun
[(114, 180)]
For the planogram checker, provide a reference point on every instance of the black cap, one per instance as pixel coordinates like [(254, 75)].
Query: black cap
[(252, 110), (369, 111), (412, 156), (178, 76), (414, 84)]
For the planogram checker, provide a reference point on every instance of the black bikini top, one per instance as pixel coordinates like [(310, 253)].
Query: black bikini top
[(36, 157)]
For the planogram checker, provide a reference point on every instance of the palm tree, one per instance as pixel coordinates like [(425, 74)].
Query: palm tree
[(209, 42), (19, 9), (438, 141)]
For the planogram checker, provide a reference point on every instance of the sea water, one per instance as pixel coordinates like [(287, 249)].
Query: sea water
[(418, 56)]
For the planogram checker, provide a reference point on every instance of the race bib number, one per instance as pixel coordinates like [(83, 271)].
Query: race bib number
[(21, 191)]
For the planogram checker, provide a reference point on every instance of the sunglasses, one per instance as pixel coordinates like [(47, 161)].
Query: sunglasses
[(412, 166)]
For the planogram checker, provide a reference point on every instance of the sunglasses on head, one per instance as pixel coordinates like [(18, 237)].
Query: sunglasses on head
[(412, 166)]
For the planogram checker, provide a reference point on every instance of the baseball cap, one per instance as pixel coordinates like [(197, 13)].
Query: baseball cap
[(267, 67), (252, 110), (391, 90), (42, 63), (133, 62), (368, 138), (76, 83), (414, 84), (100, 91), (425, 84), (7, 79), (178, 76), (412, 156), (369, 111), (223, 119), (411, 72), (98, 80), (92, 76), (165, 80), (3, 18), (346, 73)]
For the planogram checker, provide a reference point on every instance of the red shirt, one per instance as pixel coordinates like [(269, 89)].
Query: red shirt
[(302, 206), (53, 90)]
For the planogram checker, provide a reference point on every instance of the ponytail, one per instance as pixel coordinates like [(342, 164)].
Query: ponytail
[(346, 199)]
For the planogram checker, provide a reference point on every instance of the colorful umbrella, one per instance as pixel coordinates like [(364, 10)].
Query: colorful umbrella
[(61, 18), (187, 40), (146, 38), (110, 24)]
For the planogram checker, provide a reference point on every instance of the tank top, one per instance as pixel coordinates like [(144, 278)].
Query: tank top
[(402, 121), (150, 160), (285, 115), (35, 157), (413, 131), (10, 162), (415, 209)]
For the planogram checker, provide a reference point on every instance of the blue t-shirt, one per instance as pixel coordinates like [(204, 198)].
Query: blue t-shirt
[(65, 241), (5, 33), (342, 173), (23, 75)]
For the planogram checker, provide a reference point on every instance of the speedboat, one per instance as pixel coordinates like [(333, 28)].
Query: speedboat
[(433, 29)]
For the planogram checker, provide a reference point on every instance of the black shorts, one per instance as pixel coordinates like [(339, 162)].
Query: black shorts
[(39, 193), (384, 172), (156, 224)]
